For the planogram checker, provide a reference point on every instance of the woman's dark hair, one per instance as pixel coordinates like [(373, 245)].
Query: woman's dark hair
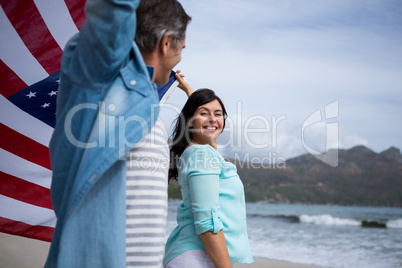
[(181, 136)]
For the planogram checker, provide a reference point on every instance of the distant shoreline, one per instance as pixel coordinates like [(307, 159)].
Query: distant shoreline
[(315, 204)]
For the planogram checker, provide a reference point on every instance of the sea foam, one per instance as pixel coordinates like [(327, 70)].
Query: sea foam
[(394, 223), (327, 219)]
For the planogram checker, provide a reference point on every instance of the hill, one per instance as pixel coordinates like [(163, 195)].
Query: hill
[(362, 177)]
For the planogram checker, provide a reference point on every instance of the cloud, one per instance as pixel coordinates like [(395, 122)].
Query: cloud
[(349, 141), (290, 58), (275, 139)]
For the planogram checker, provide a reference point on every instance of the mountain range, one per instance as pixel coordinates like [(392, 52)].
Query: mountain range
[(362, 178)]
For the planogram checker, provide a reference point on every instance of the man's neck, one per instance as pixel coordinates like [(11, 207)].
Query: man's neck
[(151, 59)]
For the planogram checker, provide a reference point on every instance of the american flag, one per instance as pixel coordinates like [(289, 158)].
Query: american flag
[(33, 34)]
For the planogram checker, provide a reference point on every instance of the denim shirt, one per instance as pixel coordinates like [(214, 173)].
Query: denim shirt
[(106, 103)]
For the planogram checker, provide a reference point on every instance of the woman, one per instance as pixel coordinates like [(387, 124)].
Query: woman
[(211, 229)]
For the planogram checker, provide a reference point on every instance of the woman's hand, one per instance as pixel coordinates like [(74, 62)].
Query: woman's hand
[(183, 85)]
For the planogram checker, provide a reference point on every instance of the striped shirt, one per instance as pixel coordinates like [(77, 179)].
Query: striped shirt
[(146, 200)]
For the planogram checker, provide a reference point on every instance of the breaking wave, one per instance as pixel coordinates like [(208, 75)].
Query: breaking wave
[(329, 220), (397, 223), (326, 219)]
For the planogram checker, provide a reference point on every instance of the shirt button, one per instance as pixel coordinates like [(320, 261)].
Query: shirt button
[(93, 176), (133, 82)]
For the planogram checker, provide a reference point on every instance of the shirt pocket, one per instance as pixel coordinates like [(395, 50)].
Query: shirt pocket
[(135, 82), (129, 91)]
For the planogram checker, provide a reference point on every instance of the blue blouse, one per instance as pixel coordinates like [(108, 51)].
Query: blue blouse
[(213, 200)]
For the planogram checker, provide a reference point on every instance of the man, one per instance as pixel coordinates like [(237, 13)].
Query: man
[(105, 107)]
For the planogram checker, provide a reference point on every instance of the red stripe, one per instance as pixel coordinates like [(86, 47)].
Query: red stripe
[(77, 8), (43, 233), (25, 191), (10, 82), (27, 21), (24, 147)]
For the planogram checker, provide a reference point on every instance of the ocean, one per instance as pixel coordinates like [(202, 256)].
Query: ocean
[(326, 236)]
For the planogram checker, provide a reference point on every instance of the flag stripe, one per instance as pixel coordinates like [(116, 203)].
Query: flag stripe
[(27, 213), (57, 16), (16, 56), (25, 170), (24, 147), (76, 8), (32, 36), (22, 122), (25, 191), (19, 228), (28, 23), (10, 82)]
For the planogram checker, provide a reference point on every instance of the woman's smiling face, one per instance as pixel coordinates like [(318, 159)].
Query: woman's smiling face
[(207, 123)]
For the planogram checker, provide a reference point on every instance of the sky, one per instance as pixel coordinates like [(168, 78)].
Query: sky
[(296, 77)]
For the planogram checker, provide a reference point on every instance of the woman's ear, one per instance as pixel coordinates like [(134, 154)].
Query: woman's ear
[(190, 122)]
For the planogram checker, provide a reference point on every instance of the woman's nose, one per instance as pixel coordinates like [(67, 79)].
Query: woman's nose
[(212, 118)]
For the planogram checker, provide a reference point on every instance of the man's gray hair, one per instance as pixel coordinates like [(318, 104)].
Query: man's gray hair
[(155, 18)]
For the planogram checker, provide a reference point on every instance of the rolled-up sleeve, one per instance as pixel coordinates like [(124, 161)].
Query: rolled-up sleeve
[(203, 177)]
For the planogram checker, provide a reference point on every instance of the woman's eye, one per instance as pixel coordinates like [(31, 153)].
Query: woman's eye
[(218, 115), (203, 114)]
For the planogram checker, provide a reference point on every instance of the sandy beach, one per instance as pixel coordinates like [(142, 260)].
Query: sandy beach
[(265, 263), (20, 252)]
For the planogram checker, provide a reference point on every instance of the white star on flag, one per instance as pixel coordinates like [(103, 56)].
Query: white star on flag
[(52, 93), (45, 105), (31, 94)]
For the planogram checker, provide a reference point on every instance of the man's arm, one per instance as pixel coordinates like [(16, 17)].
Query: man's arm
[(104, 43)]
